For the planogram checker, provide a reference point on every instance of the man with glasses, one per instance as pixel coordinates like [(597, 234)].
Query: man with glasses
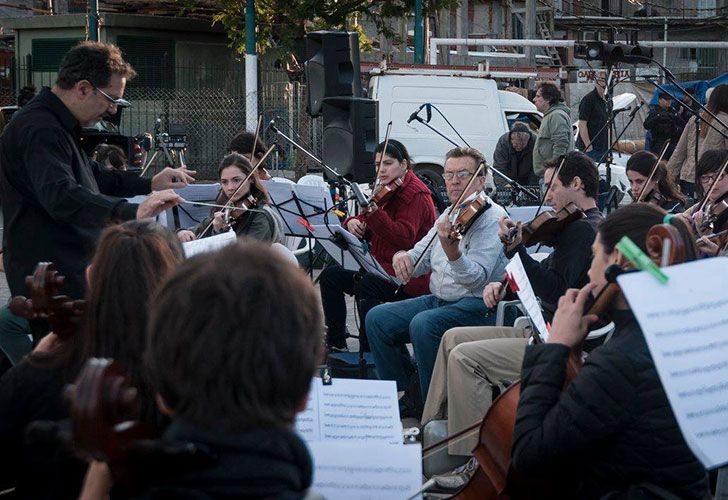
[(55, 201), (593, 117), (460, 271)]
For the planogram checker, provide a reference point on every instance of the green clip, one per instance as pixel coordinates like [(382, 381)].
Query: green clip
[(364, 247), (638, 259)]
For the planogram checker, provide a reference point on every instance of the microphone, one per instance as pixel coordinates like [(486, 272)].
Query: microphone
[(634, 111), (414, 116), (429, 112), (272, 126)]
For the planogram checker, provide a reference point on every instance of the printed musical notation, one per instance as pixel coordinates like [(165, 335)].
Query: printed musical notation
[(351, 410), (685, 323)]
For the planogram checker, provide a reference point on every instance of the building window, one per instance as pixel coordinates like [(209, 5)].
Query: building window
[(153, 59), (48, 52)]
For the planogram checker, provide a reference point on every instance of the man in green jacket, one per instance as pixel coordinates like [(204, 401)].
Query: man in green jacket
[(555, 137)]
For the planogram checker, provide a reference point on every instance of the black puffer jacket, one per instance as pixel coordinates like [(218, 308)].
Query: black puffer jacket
[(610, 430)]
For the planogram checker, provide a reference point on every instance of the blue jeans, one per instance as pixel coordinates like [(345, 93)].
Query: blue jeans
[(422, 321), (596, 154)]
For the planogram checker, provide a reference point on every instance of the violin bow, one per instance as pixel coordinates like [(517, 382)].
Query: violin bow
[(654, 169), (481, 165), (229, 203), (712, 186), (255, 140), (384, 150)]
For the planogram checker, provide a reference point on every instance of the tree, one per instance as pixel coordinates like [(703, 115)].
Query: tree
[(282, 24)]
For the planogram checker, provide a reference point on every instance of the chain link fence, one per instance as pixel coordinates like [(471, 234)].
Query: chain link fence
[(208, 104)]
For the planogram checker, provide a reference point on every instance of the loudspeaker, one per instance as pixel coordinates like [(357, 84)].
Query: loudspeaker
[(350, 136), (332, 67)]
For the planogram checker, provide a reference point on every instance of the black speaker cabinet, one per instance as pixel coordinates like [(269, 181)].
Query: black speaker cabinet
[(350, 136)]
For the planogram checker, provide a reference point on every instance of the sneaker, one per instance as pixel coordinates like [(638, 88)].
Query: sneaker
[(333, 348), (458, 477)]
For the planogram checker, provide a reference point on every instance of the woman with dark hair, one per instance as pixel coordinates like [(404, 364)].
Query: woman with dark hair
[(691, 146), (708, 221), (130, 262), (612, 429), (249, 214), (399, 223), (244, 143), (660, 190)]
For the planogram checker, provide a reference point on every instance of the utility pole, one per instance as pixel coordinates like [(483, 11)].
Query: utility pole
[(530, 31), (251, 68), (93, 21), (462, 29), (419, 34)]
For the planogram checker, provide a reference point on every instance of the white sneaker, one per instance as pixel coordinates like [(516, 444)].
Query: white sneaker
[(458, 477)]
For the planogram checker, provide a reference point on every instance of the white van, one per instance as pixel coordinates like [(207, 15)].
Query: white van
[(474, 106)]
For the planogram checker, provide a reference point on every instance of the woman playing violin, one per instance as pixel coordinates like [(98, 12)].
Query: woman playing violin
[(400, 219), (713, 218), (130, 261), (651, 184), (248, 214), (611, 432)]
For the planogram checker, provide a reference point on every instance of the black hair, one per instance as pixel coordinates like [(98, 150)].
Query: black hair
[(94, 62), (635, 221), (550, 92), (396, 150), (577, 164), (243, 144), (115, 155), (643, 162), (234, 338)]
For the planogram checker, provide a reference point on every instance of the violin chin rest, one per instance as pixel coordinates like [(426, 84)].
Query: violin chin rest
[(612, 272)]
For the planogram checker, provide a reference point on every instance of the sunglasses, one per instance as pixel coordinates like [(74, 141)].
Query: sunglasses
[(122, 103)]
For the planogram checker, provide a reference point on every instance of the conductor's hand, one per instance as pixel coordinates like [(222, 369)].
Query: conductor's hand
[(403, 266), (357, 228), (173, 178), (158, 202), (492, 294), (186, 235), (570, 325)]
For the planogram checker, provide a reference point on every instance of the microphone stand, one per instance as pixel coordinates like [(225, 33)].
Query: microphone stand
[(494, 170), (360, 197)]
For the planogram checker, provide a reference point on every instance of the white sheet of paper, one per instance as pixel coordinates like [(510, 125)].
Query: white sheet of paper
[(526, 295), (208, 244), (351, 410), (366, 471), (685, 323)]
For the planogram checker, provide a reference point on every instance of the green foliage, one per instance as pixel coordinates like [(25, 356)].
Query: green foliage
[(282, 24)]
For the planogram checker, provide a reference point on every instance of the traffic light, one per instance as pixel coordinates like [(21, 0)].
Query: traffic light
[(612, 53), (332, 67), (350, 136)]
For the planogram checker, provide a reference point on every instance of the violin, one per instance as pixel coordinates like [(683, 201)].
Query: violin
[(63, 312), (232, 213), (467, 215), (715, 215), (385, 192), (653, 196), (494, 478), (545, 227)]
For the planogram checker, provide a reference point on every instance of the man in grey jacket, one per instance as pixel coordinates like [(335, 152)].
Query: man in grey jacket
[(460, 271), (555, 137)]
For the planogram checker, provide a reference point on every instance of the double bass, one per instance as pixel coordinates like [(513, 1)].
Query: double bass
[(495, 478)]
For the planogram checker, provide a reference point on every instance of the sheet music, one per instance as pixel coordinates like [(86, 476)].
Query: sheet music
[(360, 411), (292, 201), (685, 323), (366, 471), (525, 293), (357, 256), (209, 243)]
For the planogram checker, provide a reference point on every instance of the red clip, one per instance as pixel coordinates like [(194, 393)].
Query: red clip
[(512, 283), (305, 223)]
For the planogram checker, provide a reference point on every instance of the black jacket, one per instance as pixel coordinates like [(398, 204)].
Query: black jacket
[(518, 165), (664, 124), (258, 463), (52, 198), (610, 430)]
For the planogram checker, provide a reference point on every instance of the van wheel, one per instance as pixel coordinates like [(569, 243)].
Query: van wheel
[(433, 180)]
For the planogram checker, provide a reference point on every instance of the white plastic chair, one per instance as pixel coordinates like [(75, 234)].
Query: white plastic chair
[(285, 252)]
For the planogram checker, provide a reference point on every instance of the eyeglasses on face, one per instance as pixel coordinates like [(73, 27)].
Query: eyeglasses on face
[(122, 103), (462, 174)]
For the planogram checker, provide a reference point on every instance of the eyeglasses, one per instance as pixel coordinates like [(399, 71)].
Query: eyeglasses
[(122, 103), (708, 179), (462, 174)]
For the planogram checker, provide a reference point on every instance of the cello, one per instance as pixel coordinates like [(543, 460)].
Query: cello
[(495, 478)]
